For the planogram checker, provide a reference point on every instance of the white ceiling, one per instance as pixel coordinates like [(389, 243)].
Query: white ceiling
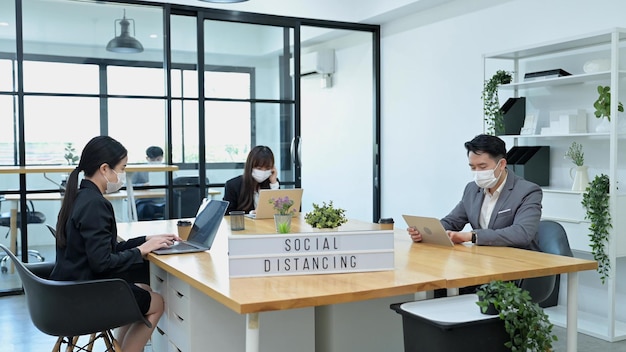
[(362, 11), (91, 22)]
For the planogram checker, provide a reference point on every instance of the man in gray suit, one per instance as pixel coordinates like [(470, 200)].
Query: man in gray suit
[(502, 208)]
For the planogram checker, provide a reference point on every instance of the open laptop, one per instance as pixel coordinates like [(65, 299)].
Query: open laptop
[(265, 210), (203, 232), (431, 229)]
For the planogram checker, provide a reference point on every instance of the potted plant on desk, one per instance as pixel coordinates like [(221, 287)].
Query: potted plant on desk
[(524, 320), (325, 216), (283, 215)]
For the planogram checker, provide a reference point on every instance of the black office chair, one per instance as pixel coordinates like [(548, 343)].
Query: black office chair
[(150, 209), (552, 239), (187, 199), (70, 309)]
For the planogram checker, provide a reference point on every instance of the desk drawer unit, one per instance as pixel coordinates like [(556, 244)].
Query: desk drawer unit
[(209, 325), (178, 318), (159, 340), (158, 283)]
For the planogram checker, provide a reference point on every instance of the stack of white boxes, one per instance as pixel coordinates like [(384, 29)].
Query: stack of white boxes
[(565, 122)]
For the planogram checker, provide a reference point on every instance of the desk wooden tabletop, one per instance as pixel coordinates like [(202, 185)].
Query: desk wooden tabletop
[(418, 267), (40, 169), (148, 193)]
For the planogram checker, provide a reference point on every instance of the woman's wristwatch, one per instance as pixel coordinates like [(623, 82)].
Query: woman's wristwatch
[(473, 236)]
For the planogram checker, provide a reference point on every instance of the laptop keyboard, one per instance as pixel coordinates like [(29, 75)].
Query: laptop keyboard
[(183, 246)]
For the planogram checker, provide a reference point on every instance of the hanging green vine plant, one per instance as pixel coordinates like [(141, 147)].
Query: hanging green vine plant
[(493, 114), (596, 203)]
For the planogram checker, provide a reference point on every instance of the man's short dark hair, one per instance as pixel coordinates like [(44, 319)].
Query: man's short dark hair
[(154, 152), (484, 143)]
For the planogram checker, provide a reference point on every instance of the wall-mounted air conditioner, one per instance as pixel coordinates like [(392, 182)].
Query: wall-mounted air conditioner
[(316, 62)]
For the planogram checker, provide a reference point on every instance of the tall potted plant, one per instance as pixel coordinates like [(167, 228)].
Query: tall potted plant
[(493, 113)]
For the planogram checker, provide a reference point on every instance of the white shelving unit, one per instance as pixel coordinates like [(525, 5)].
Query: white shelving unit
[(601, 312)]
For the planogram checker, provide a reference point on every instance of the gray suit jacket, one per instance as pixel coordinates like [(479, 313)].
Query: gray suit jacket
[(515, 217)]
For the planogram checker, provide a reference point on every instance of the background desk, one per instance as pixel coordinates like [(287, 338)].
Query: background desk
[(287, 301)]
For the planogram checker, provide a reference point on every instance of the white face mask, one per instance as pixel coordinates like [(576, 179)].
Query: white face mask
[(261, 175), (113, 187), (486, 178)]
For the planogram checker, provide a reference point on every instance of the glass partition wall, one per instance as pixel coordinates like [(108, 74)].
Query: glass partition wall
[(206, 86)]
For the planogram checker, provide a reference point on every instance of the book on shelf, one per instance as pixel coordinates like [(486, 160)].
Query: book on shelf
[(533, 76)]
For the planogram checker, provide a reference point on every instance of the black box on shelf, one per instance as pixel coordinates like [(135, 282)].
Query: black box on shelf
[(546, 74), (530, 162), (514, 114)]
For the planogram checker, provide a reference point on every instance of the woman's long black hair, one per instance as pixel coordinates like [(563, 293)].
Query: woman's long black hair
[(259, 157), (100, 150)]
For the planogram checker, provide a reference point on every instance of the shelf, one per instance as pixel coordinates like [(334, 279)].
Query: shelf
[(575, 193), (559, 81), (560, 203), (570, 135), (560, 190), (558, 46), (588, 324)]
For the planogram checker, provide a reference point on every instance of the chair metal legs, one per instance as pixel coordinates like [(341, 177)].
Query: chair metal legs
[(111, 344), (31, 252)]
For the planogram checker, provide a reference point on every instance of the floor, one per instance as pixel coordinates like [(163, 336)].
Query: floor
[(19, 334)]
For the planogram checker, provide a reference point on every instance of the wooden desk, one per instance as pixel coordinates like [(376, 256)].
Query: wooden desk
[(148, 193), (418, 267), (44, 169)]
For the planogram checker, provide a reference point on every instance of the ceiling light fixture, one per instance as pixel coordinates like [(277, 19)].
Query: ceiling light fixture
[(124, 43)]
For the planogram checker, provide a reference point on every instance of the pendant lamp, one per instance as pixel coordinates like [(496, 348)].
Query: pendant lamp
[(124, 43)]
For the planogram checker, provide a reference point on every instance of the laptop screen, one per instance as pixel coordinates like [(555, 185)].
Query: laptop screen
[(208, 222)]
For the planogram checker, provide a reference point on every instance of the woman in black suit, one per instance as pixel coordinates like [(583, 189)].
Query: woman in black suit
[(86, 240), (259, 172)]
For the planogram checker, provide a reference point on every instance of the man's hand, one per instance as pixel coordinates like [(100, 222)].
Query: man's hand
[(459, 237), (416, 236)]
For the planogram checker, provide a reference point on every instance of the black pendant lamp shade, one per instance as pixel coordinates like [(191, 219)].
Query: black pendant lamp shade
[(124, 43)]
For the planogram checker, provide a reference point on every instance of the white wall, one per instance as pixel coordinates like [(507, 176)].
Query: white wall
[(431, 89), (337, 131)]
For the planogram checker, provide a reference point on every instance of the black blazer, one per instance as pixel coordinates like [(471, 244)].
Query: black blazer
[(232, 191), (92, 250)]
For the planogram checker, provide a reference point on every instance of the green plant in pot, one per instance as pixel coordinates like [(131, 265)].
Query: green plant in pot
[(492, 110), (284, 212), (325, 216), (603, 108), (576, 155), (603, 103), (596, 203), (525, 321)]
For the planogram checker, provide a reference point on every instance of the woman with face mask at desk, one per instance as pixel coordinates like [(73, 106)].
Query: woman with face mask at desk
[(259, 173), (86, 236)]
